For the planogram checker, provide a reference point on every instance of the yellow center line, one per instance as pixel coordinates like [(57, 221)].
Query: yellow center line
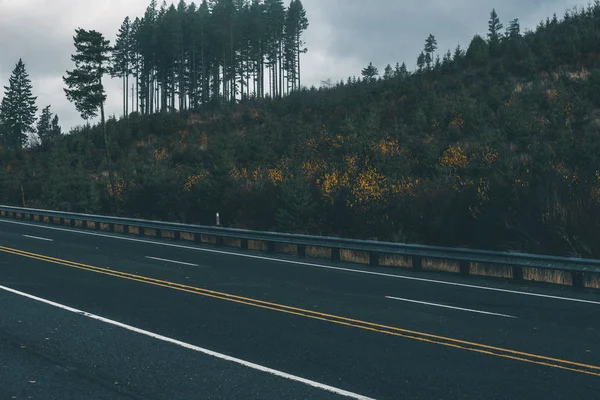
[(364, 325)]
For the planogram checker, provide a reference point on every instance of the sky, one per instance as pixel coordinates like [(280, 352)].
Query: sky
[(343, 36)]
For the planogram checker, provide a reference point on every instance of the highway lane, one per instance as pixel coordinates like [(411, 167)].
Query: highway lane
[(49, 353), (327, 351), (363, 295)]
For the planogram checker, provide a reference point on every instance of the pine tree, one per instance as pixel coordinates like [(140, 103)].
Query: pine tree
[(55, 130), (44, 126), (514, 30), (494, 27), (421, 61), (121, 60), (84, 83), (388, 73), (18, 109), (401, 71), (430, 48), (370, 73)]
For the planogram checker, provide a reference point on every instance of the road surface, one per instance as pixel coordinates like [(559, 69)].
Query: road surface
[(94, 315)]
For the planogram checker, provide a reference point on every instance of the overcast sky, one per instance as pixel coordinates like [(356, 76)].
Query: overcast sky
[(343, 36)]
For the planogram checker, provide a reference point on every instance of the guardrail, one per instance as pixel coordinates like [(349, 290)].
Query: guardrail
[(577, 272)]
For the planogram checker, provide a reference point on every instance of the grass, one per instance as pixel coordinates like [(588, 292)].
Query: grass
[(288, 249), (230, 242), (549, 276), (149, 232), (495, 270), (187, 236), (591, 281), (323, 253), (433, 264), (208, 239), (257, 245), (395, 260), (354, 256)]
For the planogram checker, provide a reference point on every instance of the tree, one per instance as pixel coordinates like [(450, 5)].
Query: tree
[(84, 83), (478, 52), (44, 125), (388, 72), (430, 48), (400, 71), (121, 60), (494, 27), (514, 29), (421, 61), (17, 110), (370, 73), (55, 129)]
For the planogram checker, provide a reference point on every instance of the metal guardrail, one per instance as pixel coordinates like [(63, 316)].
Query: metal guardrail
[(577, 267)]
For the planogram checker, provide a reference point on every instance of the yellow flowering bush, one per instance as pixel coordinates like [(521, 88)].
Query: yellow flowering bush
[(454, 157), (387, 147), (193, 180), (369, 188)]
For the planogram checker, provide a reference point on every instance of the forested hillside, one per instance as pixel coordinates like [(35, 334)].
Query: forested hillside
[(493, 146)]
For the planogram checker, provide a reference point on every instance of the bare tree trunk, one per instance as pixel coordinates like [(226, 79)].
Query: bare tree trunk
[(108, 165)]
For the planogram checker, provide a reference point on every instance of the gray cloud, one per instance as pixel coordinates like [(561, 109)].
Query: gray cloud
[(343, 37)]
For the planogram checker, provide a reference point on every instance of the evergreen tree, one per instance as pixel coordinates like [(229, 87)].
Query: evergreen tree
[(388, 72), (84, 83), (370, 73), (430, 48), (494, 27), (55, 129), (44, 125), (478, 52), (18, 109), (421, 61), (514, 29), (121, 60)]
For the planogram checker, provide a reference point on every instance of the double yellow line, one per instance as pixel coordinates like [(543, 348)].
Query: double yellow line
[(335, 319)]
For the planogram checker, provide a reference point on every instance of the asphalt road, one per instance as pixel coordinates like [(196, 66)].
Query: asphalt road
[(90, 315)]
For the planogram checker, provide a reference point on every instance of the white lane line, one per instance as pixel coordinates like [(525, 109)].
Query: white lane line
[(172, 261), (193, 347), (454, 308), (39, 238), (358, 271)]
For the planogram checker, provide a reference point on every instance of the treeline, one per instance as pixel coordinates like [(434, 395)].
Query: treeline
[(186, 56)]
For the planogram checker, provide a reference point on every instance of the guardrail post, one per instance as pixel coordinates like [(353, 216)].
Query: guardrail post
[(301, 250), (463, 266), (142, 231), (244, 244), (176, 235), (417, 263), (517, 274), (219, 241), (61, 221), (374, 259), (198, 238), (577, 277), (111, 227), (335, 254), (158, 233), (126, 229), (72, 222), (270, 247)]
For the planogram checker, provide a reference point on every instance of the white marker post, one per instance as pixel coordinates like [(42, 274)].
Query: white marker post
[(218, 220)]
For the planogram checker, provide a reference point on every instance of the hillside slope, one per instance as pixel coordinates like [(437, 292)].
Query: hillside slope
[(496, 147)]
